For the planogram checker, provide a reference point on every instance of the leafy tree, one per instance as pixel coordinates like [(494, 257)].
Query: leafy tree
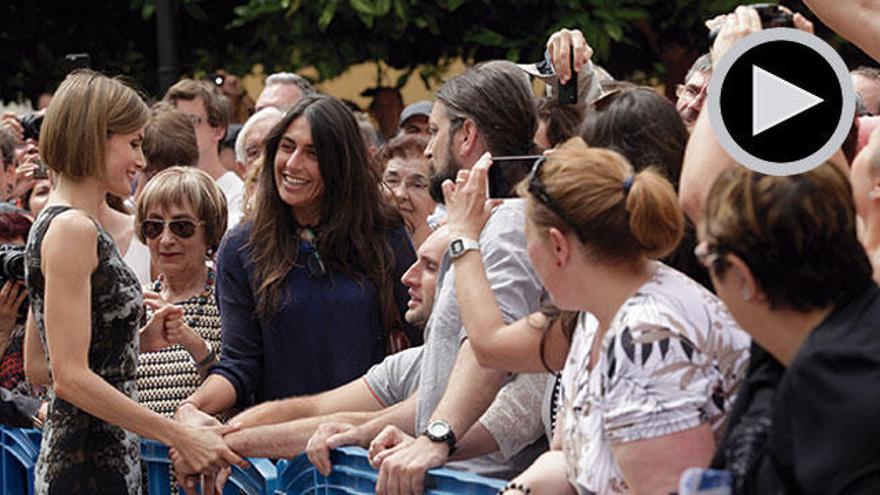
[(652, 39)]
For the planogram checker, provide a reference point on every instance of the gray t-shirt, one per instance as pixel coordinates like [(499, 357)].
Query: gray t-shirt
[(517, 290), (396, 377)]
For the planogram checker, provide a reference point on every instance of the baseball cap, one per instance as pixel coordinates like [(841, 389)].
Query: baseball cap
[(422, 107)]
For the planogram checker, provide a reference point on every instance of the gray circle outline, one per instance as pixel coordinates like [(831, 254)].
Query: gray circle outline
[(848, 99)]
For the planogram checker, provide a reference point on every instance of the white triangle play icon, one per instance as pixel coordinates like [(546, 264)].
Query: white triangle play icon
[(775, 100)]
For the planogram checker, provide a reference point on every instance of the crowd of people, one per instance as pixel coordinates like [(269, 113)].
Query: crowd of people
[(638, 305)]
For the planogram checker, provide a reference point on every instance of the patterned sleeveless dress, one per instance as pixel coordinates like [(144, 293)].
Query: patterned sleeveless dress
[(79, 452)]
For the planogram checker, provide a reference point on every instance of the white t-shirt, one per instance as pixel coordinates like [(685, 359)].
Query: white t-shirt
[(672, 359), (138, 259), (233, 189)]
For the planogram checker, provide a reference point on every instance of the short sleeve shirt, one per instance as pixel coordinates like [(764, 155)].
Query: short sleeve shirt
[(672, 359)]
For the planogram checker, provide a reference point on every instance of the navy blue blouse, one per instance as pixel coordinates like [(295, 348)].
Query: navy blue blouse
[(326, 332)]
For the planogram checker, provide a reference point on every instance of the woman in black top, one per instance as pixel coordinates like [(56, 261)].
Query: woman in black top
[(784, 256)]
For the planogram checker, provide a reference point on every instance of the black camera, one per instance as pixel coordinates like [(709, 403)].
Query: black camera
[(12, 270), (31, 123), (11, 262), (771, 15)]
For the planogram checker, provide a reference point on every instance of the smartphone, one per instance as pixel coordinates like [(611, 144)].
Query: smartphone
[(567, 94), (508, 171)]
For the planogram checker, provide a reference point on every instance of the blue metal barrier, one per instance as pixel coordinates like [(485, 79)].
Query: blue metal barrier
[(258, 479), (353, 475), (19, 449)]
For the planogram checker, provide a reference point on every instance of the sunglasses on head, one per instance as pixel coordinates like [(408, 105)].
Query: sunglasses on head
[(182, 228), (536, 189)]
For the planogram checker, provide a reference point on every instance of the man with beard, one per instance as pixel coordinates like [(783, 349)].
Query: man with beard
[(488, 108)]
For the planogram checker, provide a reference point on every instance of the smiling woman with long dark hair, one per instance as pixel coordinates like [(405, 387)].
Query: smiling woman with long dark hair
[(309, 290)]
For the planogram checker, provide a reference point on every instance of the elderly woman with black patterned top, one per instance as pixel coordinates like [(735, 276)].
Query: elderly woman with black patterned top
[(181, 216)]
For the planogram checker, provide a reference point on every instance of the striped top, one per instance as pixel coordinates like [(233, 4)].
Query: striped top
[(168, 376)]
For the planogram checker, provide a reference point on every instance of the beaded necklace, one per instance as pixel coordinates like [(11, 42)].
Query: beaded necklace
[(194, 320)]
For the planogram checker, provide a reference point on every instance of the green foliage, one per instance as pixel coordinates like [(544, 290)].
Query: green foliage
[(334, 34), (646, 38)]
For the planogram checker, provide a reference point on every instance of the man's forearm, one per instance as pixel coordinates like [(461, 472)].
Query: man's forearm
[(470, 391), (275, 412), (353, 396), (855, 20), (287, 439), (401, 415), (704, 161)]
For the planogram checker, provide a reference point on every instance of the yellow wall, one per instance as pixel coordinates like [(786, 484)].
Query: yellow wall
[(357, 78)]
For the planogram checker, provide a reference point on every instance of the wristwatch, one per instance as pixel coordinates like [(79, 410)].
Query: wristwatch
[(440, 431), (462, 245)]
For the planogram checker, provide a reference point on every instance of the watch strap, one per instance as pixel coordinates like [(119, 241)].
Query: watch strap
[(461, 245)]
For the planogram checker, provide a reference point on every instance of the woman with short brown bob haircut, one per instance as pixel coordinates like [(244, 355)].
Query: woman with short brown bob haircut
[(181, 217), (87, 303), (784, 256), (654, 360)]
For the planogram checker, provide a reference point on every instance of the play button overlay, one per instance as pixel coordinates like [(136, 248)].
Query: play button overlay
[(781, 101), (775, 100)]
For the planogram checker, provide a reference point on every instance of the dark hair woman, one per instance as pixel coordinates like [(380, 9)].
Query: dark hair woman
[(643, 126), (309, 289)]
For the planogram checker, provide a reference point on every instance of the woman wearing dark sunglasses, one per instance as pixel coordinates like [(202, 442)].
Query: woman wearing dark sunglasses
[(87, 304), (181, 214), (654, 359), (310, 288)]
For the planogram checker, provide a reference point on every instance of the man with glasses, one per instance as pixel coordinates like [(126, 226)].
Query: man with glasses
[(691, 94), (209, 113)]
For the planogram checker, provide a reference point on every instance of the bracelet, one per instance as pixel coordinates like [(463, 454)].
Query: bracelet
[(515, 486), (209, 359)]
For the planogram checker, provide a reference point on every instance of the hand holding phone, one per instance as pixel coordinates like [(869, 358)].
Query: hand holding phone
[(467, 206)]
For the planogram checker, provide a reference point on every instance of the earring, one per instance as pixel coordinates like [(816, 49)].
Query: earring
[(746, 293), (209, 253)]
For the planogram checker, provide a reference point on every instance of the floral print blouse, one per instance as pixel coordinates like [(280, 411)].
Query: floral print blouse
[(672, 359)]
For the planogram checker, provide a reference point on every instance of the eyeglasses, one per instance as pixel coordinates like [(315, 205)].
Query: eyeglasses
[(690, 91), (182, 228), (709, 255), (416, 184), (536, 189)]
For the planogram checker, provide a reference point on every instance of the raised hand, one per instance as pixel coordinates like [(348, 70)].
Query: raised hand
[(558, 48)]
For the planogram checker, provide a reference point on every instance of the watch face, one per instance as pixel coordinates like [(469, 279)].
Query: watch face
[(456, 247), (438, 429)]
